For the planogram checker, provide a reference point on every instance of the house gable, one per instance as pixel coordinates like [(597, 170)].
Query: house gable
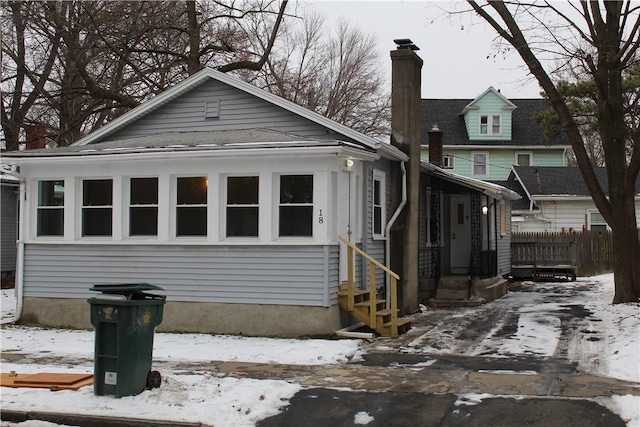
[(489, 117), (234, 110), (210, 101)]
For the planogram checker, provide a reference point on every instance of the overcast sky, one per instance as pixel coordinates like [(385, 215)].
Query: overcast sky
[(460, 60)]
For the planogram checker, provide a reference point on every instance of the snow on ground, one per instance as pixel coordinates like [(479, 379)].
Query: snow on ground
[(205, 396)]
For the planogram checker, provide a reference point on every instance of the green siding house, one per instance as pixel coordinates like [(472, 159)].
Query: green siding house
[(484, 137)]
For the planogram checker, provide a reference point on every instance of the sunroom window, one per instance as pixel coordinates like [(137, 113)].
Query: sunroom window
[(97, 207), (191, 206), (242, 206), (296, 205), (143, 207), (50, 209)]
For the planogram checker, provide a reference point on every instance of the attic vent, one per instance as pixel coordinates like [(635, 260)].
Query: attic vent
[(212, 109)]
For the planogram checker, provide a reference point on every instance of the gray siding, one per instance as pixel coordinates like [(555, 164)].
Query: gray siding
[(8, 228), (504, 245), (295, 275), (333, 274), (238, 110)]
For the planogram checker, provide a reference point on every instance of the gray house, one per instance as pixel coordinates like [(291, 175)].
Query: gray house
[(8, 224), (255, 215)]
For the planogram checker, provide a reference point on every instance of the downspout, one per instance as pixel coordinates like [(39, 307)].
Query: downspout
[(387, 229), (20, 250)]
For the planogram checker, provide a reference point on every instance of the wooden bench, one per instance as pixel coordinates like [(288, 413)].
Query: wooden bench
[(543, 260)]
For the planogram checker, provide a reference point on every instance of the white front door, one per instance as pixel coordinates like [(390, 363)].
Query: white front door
[(460, 233)]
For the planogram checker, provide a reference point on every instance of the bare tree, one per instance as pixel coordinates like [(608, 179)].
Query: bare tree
[(73, 66), (334, 72), (604, 37)]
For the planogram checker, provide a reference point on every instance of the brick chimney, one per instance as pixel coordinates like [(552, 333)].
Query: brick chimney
[(36, 137), (435, 145), (406, 130)]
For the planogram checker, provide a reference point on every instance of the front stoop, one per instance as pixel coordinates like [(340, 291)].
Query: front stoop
[(362, 309), (454, 292)]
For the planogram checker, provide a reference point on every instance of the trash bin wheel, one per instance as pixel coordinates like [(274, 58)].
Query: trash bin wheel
[(154, 379)]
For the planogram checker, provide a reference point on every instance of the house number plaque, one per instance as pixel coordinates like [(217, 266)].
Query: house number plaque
[(320, 218)]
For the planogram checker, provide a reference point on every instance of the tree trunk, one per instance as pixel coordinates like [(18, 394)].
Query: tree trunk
[(618, 209)]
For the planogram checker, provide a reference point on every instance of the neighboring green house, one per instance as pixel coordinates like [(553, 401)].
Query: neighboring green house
[(485, 136)]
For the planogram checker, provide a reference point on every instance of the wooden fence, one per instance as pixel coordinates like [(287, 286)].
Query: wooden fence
[(594, 251)]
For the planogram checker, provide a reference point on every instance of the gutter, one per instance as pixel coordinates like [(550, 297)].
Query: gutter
[(387, 229), (19, 282)]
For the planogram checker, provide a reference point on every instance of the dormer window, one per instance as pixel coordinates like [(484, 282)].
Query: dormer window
[(490, 124)]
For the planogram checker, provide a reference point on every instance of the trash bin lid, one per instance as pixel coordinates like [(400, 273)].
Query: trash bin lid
[(125, 288)]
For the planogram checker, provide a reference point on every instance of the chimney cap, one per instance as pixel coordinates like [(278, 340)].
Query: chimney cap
[(435, 128), (405, 44)]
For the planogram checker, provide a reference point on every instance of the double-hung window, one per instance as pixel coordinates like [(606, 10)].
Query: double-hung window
[(97, 207), (242, 206), (143, 207), (490, 124), (480, 164), (596, 221), (191, 206), (296, 205), (50, 216), (378, 204)]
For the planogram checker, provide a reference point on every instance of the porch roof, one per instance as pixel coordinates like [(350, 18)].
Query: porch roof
[(490, 189), (228, 141)]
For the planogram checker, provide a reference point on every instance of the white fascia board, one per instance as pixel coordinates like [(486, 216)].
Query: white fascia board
[(207, 73), (559, 197), (504, 147), (155, 154)]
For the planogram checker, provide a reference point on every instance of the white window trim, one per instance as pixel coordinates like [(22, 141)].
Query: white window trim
[(448, 161), (490, 131), (381, 177), (519, 153), (116, 207), (173, 216), (224, 204), (473, 163), (590, 223), (127, 211), (276, 208), (36, 207)]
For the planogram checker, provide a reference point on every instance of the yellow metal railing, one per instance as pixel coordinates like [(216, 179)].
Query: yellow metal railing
[(393, 290)]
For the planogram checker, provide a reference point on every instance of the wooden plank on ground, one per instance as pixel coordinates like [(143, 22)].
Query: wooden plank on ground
[(59, 381)]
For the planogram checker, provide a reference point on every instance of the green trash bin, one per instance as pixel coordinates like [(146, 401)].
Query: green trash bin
[(125, 318)]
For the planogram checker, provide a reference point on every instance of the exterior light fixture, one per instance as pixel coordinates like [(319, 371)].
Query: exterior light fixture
[(348, 163), (485, 209)]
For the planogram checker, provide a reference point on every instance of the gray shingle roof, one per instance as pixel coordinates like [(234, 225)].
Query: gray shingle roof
[(525, 132), (559, 181)]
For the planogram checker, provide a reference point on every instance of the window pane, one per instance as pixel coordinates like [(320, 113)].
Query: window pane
[(484, 125), (523, 160), (191, 221), (597, 218), (50, 222), (242, 222), (192, 190), (242, 190), (144, 191), (51, 193), (377, 220), (97, 192), (143, 221), (479, 164), (296, 220), (599, 228), (96, 221), (376, 192), (496, 125), (296, 189)]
